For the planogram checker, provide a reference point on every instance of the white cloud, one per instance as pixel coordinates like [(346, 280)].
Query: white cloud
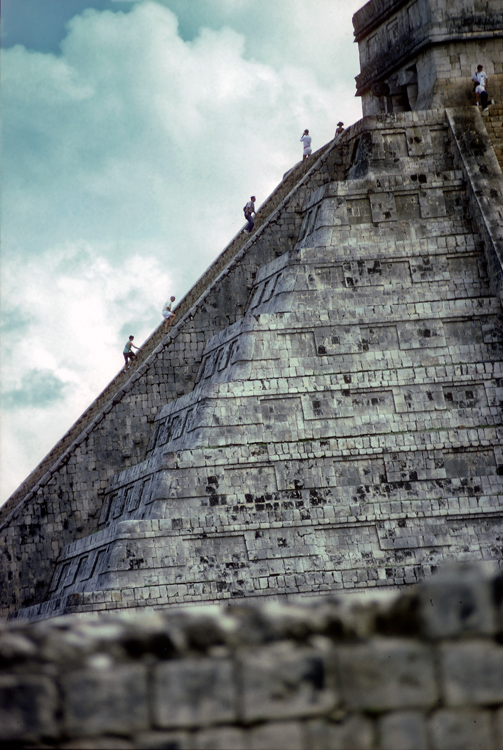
[(127, 161), (72, 311)]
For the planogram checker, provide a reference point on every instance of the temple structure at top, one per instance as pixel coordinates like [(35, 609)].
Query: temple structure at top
[(420, 54)]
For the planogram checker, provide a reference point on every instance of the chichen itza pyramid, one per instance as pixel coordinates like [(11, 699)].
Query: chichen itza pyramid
[(326, 414)]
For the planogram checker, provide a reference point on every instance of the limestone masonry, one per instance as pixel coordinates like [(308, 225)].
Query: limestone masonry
[(422, 671), (326, 415)]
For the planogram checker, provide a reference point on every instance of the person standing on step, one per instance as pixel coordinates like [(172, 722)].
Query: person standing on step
[(167, 314), (249, 209), (480, 76), (482, 96), (340, 128), (480, 80), (128, 354), (306, 140)]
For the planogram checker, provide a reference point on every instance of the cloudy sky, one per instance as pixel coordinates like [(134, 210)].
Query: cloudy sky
[(133, 133)]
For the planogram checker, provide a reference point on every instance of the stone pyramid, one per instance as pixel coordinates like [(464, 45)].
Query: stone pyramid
[(326, 414), (345, 432)]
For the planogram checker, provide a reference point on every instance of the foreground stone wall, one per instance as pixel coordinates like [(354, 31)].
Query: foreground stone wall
[(418, 671)]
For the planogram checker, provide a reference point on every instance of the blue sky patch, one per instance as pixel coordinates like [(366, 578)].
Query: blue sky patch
[(39, 388)]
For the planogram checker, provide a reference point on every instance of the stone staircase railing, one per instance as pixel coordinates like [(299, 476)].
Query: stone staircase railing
[(494, 126), (471, 138)]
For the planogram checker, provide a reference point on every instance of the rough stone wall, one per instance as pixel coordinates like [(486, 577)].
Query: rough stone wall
[(421, 54), (421, 671)]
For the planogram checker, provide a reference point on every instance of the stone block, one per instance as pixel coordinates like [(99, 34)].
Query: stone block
[(286, 681), (276, 736), (472, 672), (353, 731), (457, 601), (403, 730), (385, 674), (106, 700), (220, 738), (28, 706), (161, 740), (461, 729), (195, 693), (100, 743), (498, 729)]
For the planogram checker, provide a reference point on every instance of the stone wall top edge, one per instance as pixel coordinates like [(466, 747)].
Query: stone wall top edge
[(421, 610)]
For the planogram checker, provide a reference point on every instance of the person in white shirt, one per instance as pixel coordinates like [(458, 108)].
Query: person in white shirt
[(128, 353), (480, 76), (480, 80), (306, 140), (167, 314), (249, 209)]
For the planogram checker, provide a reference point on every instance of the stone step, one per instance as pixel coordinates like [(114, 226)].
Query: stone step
[(275, 568)]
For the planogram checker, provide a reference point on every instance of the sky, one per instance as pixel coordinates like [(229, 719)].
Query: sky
[(133, 132)]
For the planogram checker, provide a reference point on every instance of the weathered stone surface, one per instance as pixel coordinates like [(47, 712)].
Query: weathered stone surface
[(158, 740), (348, 731), (498, 729), (281, 735), (403, 730), (461, 729), (325, 417), (330, 675), (472, 672), (286, 682), (100, 743), (106, 699), (383, 674), (195, 692), (221, 738), (28, 706), (458, 603), (439, 75), (326, 414)]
